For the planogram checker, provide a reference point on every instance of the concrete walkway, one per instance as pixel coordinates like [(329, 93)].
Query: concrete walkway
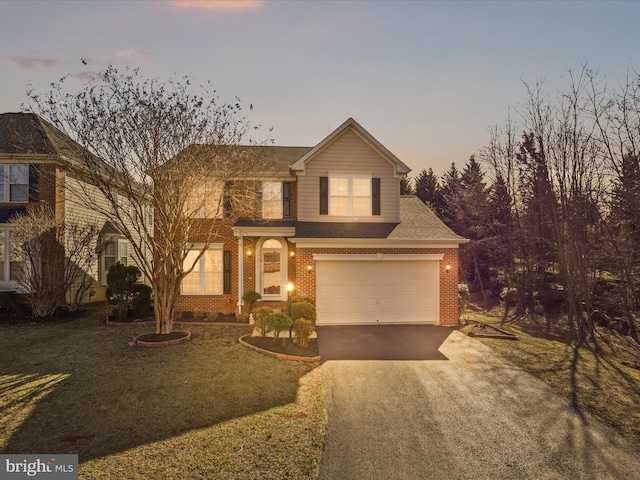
[(470, 416)]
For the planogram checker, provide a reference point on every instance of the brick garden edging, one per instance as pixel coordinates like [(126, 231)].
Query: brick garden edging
[(281, 356), (176, 341)]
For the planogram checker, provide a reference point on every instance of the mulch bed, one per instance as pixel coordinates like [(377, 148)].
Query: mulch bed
[(284, 346)]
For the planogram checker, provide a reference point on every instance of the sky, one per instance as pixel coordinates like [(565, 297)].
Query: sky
[(428, 79)]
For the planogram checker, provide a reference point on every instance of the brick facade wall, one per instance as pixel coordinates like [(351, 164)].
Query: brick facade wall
[(304, 280)]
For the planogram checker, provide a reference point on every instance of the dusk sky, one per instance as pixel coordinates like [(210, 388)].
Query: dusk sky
[(427, 79)]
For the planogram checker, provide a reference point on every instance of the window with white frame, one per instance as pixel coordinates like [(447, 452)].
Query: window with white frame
[(14, 183), (350, 196), (271, 200), (116, 250), (206, 278), (11, 266), (205, 200)]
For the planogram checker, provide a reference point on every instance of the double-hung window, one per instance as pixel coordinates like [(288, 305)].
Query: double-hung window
[(205, 200), (350, 196), (11, 267), (272, 200), (115, 251), (14, 183), (210, 274)]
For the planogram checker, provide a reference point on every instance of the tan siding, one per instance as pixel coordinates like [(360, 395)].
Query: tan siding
[(76, 210), (348, 153)]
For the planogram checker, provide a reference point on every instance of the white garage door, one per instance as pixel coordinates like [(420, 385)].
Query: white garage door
[(376, 291)]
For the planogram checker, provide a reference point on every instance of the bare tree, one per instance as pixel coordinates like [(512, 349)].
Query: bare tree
[(161, 161), (55, 261)]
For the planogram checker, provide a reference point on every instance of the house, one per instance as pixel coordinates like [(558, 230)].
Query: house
[(40, 165), (333, 226)]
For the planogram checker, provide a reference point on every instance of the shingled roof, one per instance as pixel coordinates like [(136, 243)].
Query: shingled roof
[(419, 222), (270, 160), (24, 133)]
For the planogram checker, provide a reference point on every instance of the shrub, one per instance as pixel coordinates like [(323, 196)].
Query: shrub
[(298, 299), (251, 297), (122, 281), (141, 303), (303, 309), (278, 323), (303, 330), (259, 317)]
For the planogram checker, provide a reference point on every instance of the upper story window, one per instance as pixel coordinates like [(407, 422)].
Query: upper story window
[(14, 183), (350, 196), (272, 200), (205, 200), (276, 200)]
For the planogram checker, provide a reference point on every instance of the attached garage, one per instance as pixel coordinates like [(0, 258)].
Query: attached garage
[(377, 288)]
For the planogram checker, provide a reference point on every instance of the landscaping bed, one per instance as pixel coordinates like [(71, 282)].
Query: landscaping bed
[(284, 346)]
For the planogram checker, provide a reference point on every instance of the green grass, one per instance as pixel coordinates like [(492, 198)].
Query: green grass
[(594, 381), (208, 408)]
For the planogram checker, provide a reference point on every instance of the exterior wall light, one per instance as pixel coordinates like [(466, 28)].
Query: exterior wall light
[(248, 253), (309, 268), (447, 268), (292, 253)]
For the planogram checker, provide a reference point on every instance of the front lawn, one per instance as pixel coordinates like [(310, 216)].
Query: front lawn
[(208, 408), (597, 382)]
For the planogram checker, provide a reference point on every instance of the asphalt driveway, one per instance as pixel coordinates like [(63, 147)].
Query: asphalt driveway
[(469, 415)]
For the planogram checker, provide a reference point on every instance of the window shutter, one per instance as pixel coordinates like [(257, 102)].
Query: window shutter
[(324, 195), (226, 200), (375, 196), (226, 269), (286, 199), (33, 183)]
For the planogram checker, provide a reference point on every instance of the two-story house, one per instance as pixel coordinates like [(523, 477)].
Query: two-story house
[(40, 164), (332, 225)]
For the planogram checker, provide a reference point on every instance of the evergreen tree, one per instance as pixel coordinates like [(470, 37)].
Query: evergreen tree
[(428, 190)]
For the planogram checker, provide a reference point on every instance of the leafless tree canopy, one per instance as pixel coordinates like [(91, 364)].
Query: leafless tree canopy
[(159, 160)]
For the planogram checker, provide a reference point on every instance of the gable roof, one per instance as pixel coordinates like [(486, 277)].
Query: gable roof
[(350, 124)]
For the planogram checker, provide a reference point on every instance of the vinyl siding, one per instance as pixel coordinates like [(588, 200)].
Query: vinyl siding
[(77, 211), (348, 153)]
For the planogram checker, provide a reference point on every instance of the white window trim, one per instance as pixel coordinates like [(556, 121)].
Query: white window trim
[(5, 244), (281, 212), (283, 269), (6, 180), (350, 196), (214, 191), (200, 247), (103, 266)]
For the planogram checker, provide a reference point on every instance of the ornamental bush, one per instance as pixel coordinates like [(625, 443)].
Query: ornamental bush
[(251, 297), (303, 330), (259, 316), (278, 323), (303, 309)]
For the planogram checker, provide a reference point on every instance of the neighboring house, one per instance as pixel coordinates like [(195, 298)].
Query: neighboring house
[(333, 226), (38, 164)]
